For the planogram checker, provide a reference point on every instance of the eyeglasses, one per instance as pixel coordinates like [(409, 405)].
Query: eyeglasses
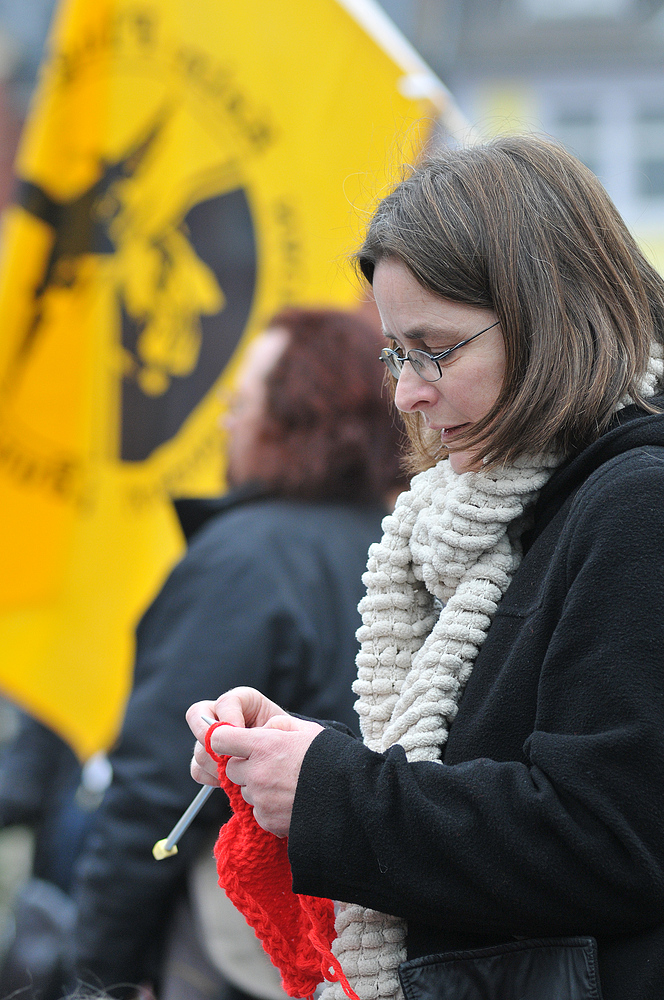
[(426, 365)]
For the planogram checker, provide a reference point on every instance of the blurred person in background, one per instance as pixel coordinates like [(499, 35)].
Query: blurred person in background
[(45, 791), (267, 596)]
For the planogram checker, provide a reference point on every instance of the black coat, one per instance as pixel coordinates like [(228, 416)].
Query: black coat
[(547, 816), (267, 596)]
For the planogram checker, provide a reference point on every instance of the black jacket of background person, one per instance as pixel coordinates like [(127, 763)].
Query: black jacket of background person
[(547, 816), (267, 596)]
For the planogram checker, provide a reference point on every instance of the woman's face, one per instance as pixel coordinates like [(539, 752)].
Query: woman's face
[(414, 317), (247, 404)]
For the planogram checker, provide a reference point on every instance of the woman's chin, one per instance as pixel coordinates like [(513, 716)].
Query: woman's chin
[(464, 461)]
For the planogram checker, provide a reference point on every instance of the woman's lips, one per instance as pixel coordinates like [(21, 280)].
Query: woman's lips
[(449, 433)]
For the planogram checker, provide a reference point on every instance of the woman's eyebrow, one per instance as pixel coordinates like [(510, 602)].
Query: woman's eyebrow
[(426, 333)]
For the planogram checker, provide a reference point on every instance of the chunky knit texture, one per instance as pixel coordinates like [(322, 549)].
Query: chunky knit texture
[(433, 585)]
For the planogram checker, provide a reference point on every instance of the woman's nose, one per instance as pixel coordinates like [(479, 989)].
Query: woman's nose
[(412, 393)]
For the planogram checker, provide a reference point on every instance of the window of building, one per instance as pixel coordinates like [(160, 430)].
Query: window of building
[(579, 131), (551, 10)]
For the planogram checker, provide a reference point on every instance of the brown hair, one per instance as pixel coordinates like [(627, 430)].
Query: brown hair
[(522, 227), (330, 430)]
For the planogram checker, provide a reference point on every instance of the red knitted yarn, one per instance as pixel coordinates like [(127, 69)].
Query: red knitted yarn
[(254, 871)]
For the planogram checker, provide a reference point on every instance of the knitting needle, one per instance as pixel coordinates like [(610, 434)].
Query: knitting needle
[(167, 847)]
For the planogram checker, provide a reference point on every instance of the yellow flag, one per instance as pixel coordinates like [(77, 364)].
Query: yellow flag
[(188, 167)]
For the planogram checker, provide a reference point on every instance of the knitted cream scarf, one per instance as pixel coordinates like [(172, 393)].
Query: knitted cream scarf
[(433, 582)]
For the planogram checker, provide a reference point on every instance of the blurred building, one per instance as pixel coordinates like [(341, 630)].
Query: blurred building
[(590, 72)]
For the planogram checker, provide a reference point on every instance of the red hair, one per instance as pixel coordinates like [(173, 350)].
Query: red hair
[(329, 429)]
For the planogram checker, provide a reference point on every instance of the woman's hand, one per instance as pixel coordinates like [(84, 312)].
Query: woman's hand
[(266, 748), (244, 707)]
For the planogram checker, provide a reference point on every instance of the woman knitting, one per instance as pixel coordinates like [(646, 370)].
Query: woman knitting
[(499, 833)]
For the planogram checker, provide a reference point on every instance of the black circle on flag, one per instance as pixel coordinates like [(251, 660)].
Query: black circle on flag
[(220, 233)]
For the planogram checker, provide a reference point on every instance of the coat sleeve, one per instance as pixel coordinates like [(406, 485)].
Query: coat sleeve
[(570, 838), (217, 623)]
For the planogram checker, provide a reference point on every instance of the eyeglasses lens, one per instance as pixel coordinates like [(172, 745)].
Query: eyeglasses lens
[(394, 364), (421, 362), (424, 366)]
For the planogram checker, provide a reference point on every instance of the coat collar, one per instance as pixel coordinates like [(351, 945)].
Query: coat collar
[(631, 428)]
